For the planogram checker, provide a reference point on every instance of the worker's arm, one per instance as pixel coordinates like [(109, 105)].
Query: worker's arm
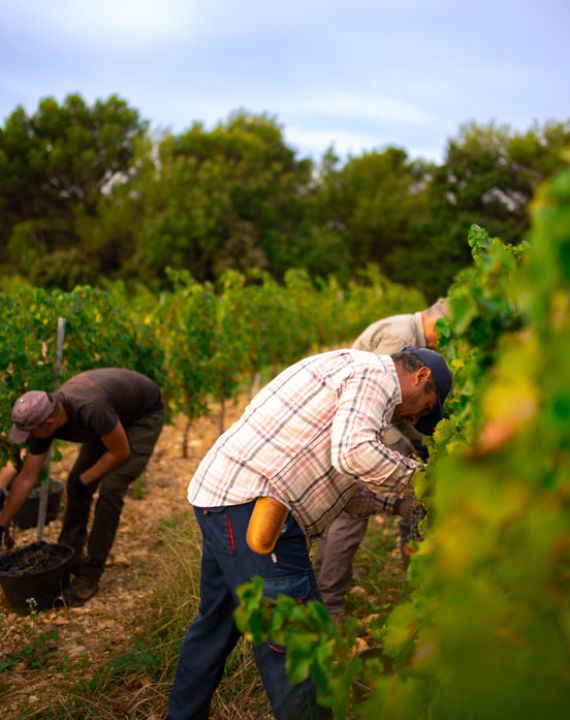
[(364, 503), (363, 413), (22, 485), (7, 474), (118, 450)]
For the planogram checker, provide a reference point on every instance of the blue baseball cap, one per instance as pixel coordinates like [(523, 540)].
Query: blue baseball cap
[(443, 379)]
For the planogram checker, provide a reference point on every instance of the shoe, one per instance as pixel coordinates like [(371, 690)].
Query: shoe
[(80, 591)]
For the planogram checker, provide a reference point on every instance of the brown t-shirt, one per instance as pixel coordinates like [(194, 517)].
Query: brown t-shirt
[(96, 400)]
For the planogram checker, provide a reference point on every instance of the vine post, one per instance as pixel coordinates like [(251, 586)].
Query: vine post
[(44, 488)]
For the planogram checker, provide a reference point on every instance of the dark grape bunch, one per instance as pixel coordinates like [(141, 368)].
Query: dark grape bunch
[(417, 514), (34, 557)]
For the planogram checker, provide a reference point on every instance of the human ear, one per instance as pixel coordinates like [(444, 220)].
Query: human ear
[(423, 375), (49, 423)]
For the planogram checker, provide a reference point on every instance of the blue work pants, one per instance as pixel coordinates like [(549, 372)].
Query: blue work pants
[(227, 562)]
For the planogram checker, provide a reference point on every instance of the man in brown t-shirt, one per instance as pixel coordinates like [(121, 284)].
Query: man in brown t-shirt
[(117, 416)]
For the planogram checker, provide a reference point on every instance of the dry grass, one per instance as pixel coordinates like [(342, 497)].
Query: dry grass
[(135, 684)]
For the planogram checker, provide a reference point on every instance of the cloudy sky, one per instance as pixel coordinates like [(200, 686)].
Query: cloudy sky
[(359, 74)]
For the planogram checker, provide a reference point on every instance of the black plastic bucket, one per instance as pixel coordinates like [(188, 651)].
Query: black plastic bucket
[(35, 575), (27, 515)]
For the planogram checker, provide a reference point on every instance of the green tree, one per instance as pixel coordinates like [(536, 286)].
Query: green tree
[(225, 197), (488, 177), (370, 207), (55, 166)]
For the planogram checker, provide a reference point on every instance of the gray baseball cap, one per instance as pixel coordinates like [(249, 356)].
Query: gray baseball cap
[(29, 412)]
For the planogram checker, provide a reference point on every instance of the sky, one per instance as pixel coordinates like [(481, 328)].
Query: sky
[(357, 75)]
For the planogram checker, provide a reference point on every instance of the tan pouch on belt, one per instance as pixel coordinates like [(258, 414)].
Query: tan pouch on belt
[(265, 525)]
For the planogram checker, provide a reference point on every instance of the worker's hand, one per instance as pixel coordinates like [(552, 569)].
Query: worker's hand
[(420, 450), (76, 486), (6, 539), (409, 508), (414, 440)]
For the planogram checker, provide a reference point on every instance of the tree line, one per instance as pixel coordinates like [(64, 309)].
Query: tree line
[(90, 191)]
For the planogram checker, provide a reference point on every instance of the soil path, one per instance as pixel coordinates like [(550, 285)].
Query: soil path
[(102, 627)]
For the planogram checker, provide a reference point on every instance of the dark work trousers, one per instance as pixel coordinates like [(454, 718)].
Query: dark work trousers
[(228, 562), (113, 486)]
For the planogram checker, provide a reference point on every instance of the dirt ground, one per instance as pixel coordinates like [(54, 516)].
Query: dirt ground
[(102, 627)]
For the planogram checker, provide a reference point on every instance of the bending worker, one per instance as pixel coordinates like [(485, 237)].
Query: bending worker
[(117, 416), (312, 441), (333, 563)]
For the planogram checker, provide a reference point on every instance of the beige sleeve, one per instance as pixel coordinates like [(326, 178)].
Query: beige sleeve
[(387, 336), (381, 343)]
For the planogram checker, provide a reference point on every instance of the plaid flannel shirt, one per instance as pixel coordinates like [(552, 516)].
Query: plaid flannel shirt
[(312, 439)]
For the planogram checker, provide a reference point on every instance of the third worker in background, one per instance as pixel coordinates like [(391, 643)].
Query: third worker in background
[(336, 552)]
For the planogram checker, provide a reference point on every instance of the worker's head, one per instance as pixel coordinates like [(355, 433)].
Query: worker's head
[(425, 381), (429, 318), (34, 414)]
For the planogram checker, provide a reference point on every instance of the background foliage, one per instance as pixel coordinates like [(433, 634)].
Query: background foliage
[(199, 342), (88, 192)]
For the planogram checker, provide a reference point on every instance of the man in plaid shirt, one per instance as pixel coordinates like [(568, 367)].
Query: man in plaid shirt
[(312, 440)]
